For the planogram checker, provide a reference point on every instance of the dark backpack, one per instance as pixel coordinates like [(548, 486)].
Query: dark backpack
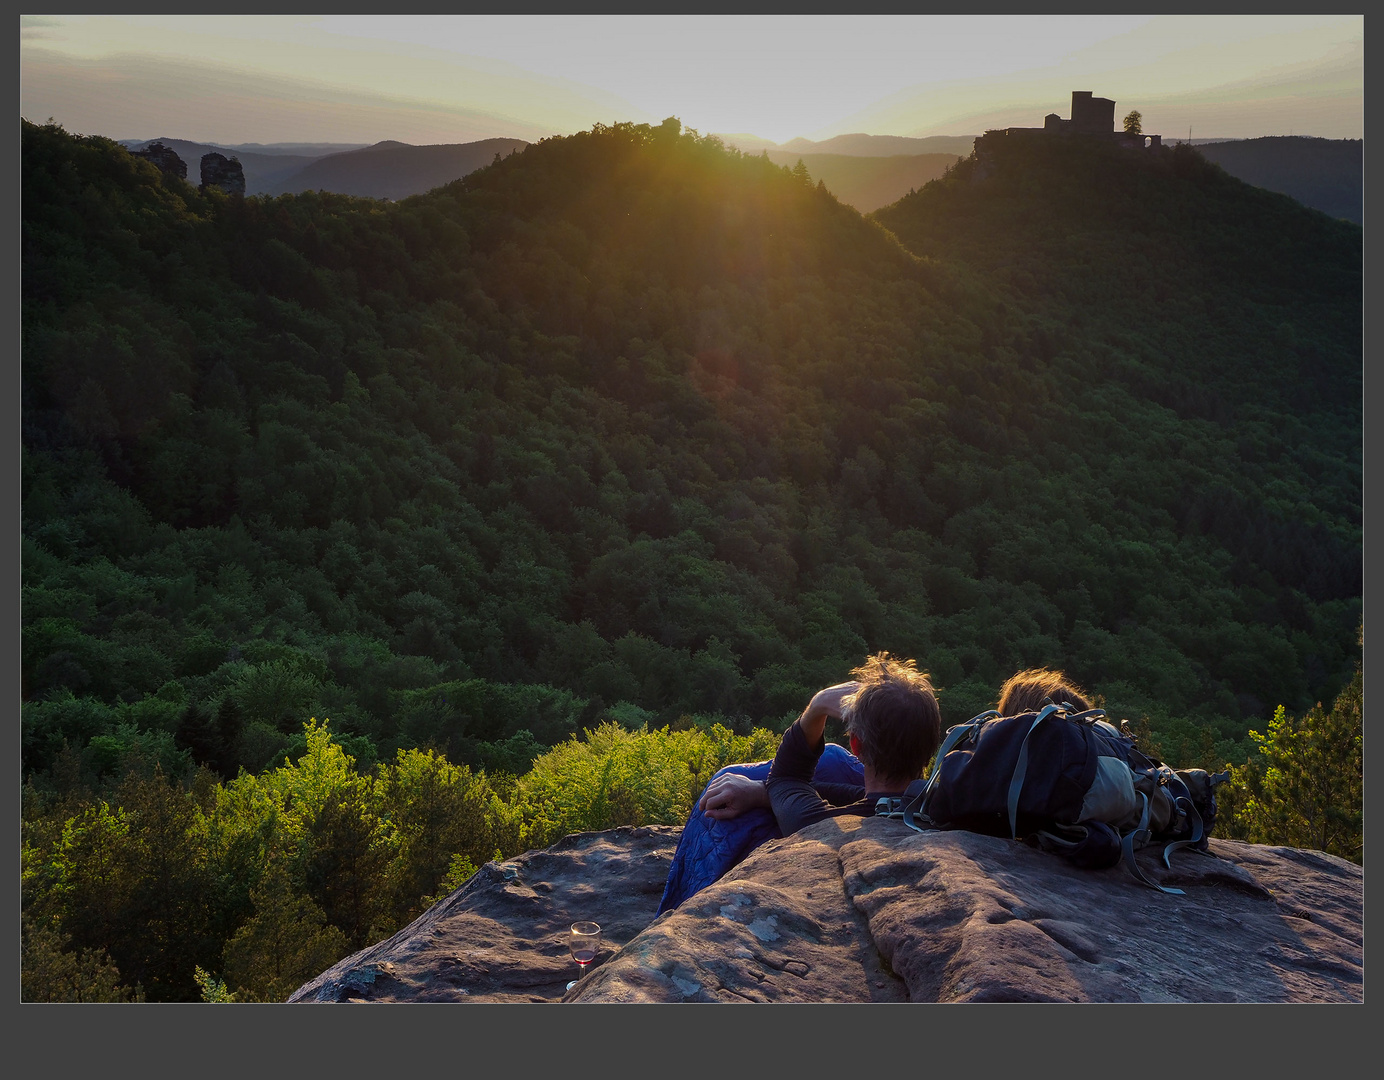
[(1069, 780)]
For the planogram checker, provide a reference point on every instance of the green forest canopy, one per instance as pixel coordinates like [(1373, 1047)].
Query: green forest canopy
[(630, 425), (625, 431)]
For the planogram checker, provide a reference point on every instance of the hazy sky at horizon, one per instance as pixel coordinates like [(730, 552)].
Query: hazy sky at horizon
[(236, 79)]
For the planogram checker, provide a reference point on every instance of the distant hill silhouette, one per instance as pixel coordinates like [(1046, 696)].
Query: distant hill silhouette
[(394, 170), (867, 183), (300, 149), (856, 145), (1325, 174), (747, 143), (861, 145)]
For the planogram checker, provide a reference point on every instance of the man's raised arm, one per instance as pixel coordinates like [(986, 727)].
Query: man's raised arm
[(791, 794)]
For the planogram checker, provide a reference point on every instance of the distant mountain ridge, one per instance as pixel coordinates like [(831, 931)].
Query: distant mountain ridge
[(306, 149), (867, 183), (862, 145), (863, 171), (394, 170), (1325, 174), (856, 145)]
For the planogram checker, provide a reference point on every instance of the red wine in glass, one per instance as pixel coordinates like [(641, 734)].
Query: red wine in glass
[(584, 942)]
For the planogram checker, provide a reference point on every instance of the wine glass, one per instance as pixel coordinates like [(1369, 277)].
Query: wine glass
[(584, 942)]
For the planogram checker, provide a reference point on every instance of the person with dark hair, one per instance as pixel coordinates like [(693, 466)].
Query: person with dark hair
[(894, 726), (1028, 691)]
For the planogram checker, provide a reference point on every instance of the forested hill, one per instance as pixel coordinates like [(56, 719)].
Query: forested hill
[(628, 425), (1191, 306)]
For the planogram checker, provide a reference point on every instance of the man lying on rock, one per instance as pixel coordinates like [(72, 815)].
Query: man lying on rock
[(894, 726)]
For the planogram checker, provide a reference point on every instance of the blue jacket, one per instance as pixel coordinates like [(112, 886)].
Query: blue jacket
[(708, 847)]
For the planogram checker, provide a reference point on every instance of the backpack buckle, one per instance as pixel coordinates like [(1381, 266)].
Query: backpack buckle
[(889, 806)]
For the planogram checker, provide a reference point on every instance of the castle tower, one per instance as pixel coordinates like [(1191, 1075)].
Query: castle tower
[(1092, 115)]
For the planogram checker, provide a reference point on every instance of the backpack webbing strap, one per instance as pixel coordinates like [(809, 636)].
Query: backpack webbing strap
[(1186, 804), (1016, 782), (1127, 846)]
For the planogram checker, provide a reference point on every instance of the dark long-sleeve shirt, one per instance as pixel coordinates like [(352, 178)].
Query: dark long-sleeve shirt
[(796, 802)]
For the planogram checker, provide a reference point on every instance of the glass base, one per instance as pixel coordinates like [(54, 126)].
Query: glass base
[(571, 984)]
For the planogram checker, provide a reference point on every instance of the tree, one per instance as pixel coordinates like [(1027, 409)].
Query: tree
[(131, 882), (52, 969), (1305, 788), (349, 855), (437, 812), (1134, 123), (285, 943)]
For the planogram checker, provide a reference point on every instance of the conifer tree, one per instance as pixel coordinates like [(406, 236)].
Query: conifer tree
[(53, 969), (1305, 787), (285, 943)]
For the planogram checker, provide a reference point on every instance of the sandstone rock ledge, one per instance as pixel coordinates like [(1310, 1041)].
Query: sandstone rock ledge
[(867, 910)]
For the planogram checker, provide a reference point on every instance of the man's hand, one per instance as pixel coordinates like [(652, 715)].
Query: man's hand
[(824, 703), (730, 795)]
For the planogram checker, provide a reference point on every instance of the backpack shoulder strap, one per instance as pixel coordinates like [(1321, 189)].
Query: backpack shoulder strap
[(1016, 782), (954, 736)]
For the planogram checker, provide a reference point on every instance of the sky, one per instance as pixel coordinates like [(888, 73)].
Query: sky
[(233, 79)]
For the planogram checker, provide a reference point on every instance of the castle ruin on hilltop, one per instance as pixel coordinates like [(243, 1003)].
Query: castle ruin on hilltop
[(1091, 116)]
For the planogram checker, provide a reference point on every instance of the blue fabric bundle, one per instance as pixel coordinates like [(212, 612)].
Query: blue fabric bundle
[(708, 847)]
